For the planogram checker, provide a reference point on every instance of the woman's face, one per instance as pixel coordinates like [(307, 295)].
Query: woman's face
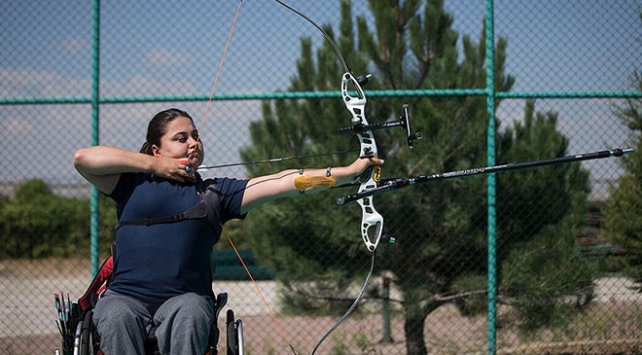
[(180, 141)]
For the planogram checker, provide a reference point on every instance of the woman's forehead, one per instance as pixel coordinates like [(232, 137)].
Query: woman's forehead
[(180, 124)]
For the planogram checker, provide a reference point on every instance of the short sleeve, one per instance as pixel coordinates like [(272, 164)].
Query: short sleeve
[(230, 193)]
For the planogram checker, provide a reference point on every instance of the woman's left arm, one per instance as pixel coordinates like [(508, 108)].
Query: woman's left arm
[(293, 182)]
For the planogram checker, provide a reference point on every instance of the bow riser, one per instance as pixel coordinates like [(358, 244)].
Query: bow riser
[(371, 220)]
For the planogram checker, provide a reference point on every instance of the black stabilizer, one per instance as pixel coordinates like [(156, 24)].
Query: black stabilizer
[(386, 185)]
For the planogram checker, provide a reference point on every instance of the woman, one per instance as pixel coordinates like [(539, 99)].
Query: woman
[(169, 220)]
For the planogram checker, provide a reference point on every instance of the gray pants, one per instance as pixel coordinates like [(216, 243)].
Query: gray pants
[(183, 324)]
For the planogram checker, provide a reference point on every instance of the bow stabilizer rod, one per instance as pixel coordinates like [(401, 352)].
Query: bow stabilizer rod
[(386, 185)]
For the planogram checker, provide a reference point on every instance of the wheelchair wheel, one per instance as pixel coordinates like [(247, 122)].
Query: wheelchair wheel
[(235, 341), (86, 334), (239, 337)]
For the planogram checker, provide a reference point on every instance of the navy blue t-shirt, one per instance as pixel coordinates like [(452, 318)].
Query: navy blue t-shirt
[(156, 262)]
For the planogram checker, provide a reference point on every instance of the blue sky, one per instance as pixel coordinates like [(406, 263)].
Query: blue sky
[(566, 45), (166, 47)]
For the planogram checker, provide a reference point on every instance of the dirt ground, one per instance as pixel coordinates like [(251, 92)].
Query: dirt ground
[(446, 333), (612, 323)]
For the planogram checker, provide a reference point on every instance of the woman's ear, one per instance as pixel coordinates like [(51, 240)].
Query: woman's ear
[(155, 150)]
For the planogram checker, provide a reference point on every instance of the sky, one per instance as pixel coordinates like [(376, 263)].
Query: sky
[(173, 48)]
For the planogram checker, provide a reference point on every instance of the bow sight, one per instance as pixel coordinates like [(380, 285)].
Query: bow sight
[(403, 122)]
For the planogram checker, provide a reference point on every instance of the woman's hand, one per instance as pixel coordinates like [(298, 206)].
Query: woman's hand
[(361, 164), (174, 169)]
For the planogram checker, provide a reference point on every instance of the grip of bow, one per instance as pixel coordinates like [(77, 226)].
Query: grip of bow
[(371, 220)]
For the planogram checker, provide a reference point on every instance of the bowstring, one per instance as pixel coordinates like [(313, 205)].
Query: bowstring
[(334, 45), (352, 307), (275, 319), (205, 114), (220, 69), (347, 70)]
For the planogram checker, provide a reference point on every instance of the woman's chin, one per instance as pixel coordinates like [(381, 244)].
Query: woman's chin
[(195, 160)]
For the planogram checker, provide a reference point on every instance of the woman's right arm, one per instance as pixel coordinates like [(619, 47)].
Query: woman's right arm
[(102, 166)]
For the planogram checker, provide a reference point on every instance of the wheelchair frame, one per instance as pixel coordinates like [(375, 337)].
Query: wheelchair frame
[(77, 321)]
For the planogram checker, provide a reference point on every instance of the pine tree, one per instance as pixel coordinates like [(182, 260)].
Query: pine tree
[(624, 209)]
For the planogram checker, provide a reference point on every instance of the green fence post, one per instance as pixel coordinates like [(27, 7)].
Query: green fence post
[(491, 199), (95, 138)]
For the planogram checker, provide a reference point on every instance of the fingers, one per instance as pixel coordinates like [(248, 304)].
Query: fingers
[(182, 173), (365, 163), (185, 172), (371, 160), (174, 169)]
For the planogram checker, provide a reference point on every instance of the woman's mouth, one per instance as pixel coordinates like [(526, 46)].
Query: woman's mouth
[(194, 158)]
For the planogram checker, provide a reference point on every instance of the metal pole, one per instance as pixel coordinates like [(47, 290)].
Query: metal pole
[(95, 104)]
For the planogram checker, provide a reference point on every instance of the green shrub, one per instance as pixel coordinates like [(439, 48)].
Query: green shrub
[(37, 224)]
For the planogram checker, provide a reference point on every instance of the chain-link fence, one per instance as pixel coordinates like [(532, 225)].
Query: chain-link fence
[(533, 240)]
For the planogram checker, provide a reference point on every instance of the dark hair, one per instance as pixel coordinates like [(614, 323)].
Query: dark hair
[(158, 127)]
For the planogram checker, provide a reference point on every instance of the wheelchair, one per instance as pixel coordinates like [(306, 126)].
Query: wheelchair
[(80, 337)]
